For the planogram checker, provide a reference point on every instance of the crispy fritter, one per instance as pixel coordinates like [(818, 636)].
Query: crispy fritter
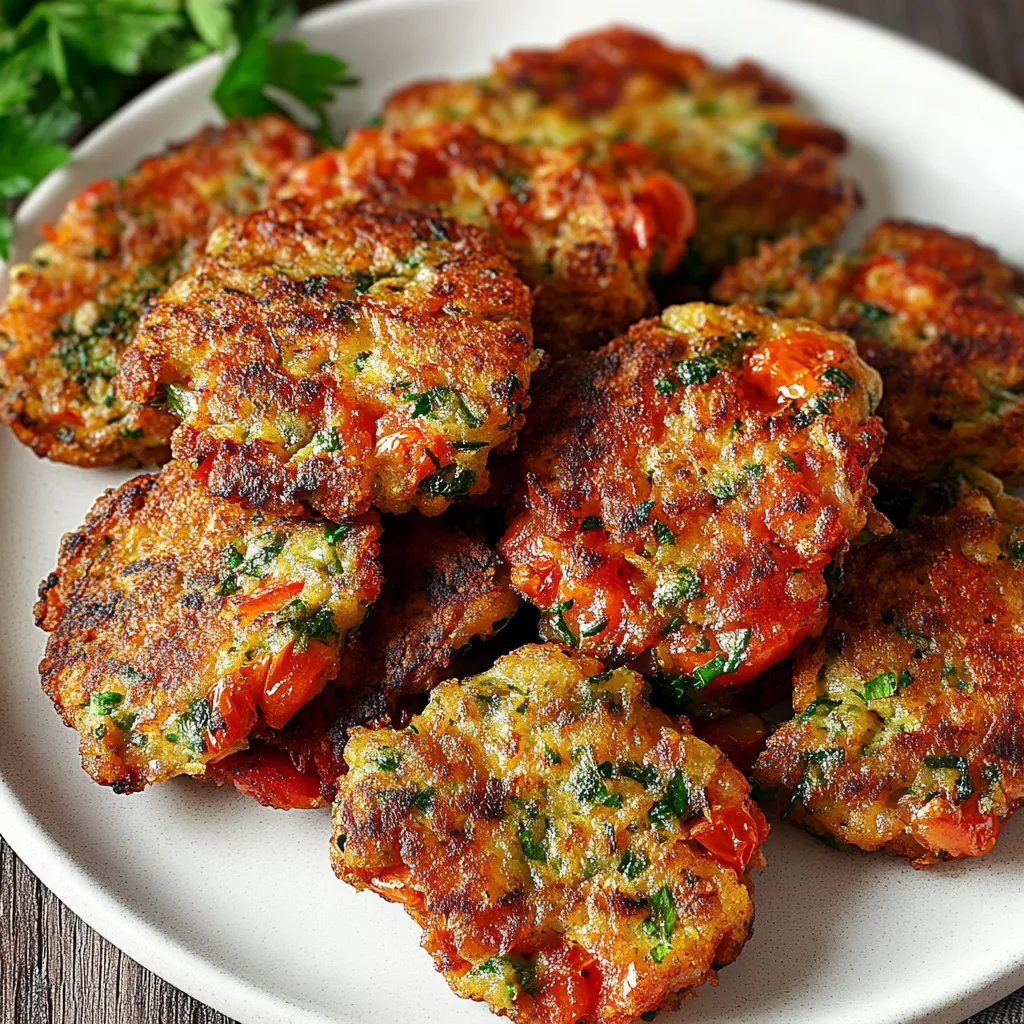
[(340, 355), (572, 854), (444, 589), (73, 308), (937, 315), (586, 228), (684, 490), (756, 168), (910, 707), (180, 621)]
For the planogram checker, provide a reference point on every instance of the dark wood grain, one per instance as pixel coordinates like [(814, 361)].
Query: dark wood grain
[(56, 970)]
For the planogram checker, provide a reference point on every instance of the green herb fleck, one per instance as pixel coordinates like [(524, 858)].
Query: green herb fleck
[(532, 848), (698, 370), (192, 725), (451, 481), (632, 864), (660, 923), (735, 644), (559, 625), (305, 624), (333, 532), (387, 759), (585, 781), (964, 785), (816, 705), (103, 702), (840, 378), (325, 441), (645, 774), (674, 805), (424, 800), (684, 586)]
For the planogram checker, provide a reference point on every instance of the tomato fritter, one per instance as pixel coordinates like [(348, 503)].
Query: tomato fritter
[(72, 309), (910, 707), (572, 854), (938, 316), (684, 489), (340, 355), (444, 589), (756, 168), (180, 621), (586, 229)]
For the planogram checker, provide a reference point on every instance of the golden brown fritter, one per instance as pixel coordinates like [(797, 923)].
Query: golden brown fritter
[(684, 490), (444, 589), (756, 168), (910, 707), (72, 309), (180, 621), (937, 315), (340, 355), (587, 227), (572, 854)]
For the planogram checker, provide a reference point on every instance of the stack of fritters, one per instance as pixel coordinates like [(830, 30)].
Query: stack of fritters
[(319, 338), (587, 226), (755, 167)]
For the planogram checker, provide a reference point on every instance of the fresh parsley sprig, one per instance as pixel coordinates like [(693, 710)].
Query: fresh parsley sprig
[(66, 64)]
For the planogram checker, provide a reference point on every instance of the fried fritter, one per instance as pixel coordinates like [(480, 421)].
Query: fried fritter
[(444, 589), (684, 490), (340, 355), (938, 316), (910, 707), (572, 854), (756, 168), (73, 308), (586, 228), (180, 621)]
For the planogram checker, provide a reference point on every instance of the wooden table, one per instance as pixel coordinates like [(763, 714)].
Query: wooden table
[(54, 969)]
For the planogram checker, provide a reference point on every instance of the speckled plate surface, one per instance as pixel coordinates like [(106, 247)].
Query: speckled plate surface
[(237, 904)]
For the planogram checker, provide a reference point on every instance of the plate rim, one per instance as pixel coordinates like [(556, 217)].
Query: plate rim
[(53, 865)]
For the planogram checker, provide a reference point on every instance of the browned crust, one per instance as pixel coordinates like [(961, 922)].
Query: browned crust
[(933, 614), (308, 342), (938, 315), (673, 507), (146, 604)]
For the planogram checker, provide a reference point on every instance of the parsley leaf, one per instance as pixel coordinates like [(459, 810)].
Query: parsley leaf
[(264, 75), (115, 34), (211, 20), (30, 148)]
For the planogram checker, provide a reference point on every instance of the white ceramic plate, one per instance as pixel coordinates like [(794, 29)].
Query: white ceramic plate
[(237, 904)]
